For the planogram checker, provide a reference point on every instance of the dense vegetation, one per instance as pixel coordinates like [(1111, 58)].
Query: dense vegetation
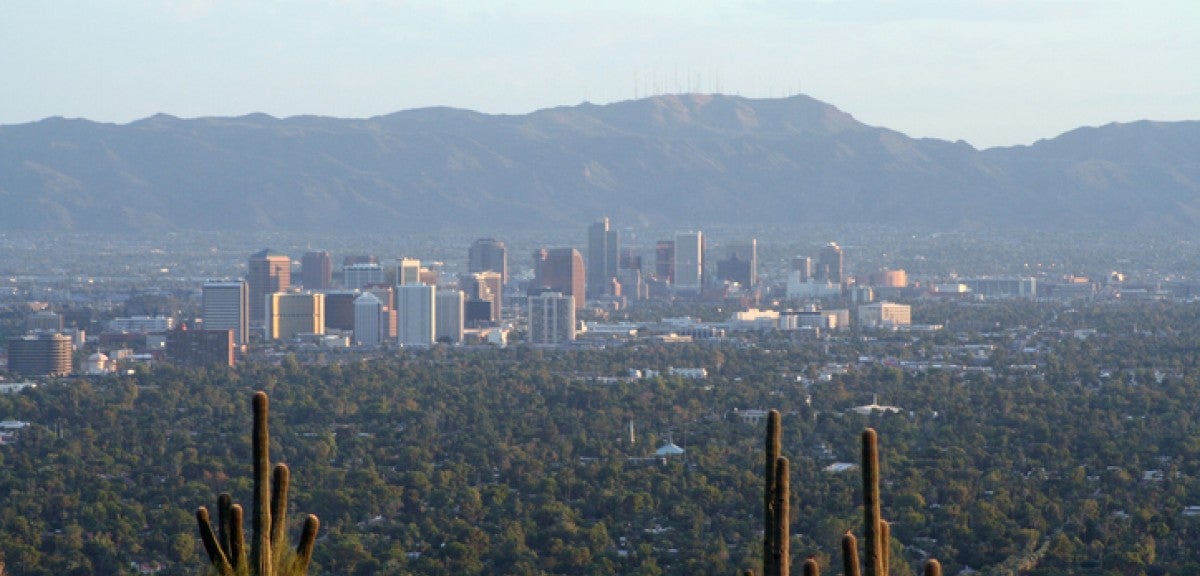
[(518, 461)]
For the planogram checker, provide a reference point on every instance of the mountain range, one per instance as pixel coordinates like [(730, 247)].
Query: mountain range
[(677, 160)]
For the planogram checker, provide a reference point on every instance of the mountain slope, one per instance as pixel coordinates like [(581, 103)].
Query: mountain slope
[(668, 160)]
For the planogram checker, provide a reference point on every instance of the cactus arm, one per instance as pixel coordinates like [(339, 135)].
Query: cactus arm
[(850, 555), (224, 502), (279, 495), (304, 550), (215, 555), (885, 543), (933, 567), (811, 568), (237, 537)]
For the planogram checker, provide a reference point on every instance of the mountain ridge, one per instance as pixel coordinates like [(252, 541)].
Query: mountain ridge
[(695, 159)]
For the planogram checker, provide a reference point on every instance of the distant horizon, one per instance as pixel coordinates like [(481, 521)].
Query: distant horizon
[(646, 97), (990, 72)]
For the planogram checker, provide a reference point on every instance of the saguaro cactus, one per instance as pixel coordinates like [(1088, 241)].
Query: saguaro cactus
[(933, 567), (872, 518), (226, 547), (811, 568), (773, 444), (782, 538)]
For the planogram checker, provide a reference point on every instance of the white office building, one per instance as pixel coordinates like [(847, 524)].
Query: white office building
[(368, 320), (416, 312)]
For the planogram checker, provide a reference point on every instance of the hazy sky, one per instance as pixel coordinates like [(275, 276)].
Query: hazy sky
[(987, 71)]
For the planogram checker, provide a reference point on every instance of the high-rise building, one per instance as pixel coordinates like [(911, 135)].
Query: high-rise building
[(488, 255), (40, 355), (888, 278), (226, 306), (316, 270), (803, 266), (740, 263), (483, 288), (416, 310), (191, 347), (629, 259), (884, 314), (403, 271), (602, 254), (829, 264), (339, 309), (368, 320), (551, 318), (356, 276), (44, 321), (268, 272), (664, 261), (386, 296), (449, 316), (290, 314), (560, 270), (689, 262)]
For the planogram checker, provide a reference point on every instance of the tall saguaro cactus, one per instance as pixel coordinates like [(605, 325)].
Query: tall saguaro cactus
[(773, 444), (873, 563), (782, 539), (226, 547)]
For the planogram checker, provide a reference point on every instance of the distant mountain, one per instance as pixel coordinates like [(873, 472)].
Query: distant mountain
[(667, 160)]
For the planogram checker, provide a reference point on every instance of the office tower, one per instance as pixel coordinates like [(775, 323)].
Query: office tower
[(430, 276), (689, 262), (559, 270), (403, 271), (289, 314), (551, 318), (449, 314), (387, 297), (368, 320), (359, 259), (226, 306), (44, 321), (802, 265), (888, 278), (740, 263), (632, 284), (40, 355), (484, 297), (629, 259), (356, 276), (488, 255), (316, 270), (884, 314), (416, 309), (829, 264), (339, 309), (664, 260), (268, 272), (601, 259), (191, 347)]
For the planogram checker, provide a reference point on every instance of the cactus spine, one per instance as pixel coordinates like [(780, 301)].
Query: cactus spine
[(226, 547)]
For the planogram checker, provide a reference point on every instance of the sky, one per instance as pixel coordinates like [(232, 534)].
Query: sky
[(990, 72)]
